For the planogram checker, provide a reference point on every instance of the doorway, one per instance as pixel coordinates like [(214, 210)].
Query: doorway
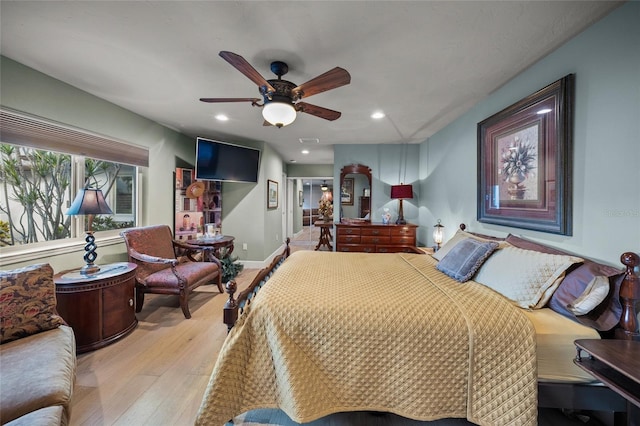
[(312, 190)]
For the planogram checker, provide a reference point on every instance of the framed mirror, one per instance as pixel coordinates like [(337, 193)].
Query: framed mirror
[(355, 192)]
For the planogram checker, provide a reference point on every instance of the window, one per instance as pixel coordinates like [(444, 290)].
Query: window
[(37, 191), (43, 164)]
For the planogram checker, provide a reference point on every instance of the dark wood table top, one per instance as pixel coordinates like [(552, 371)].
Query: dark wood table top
[(322, 223), (614, 362)]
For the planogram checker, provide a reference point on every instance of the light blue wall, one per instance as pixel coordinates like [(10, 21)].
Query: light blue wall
[(605, 59), (390, 165)]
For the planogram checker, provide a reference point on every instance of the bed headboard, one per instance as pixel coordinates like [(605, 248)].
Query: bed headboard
[(627, 328)]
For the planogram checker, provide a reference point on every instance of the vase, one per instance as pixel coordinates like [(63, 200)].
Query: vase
[(516, 189)]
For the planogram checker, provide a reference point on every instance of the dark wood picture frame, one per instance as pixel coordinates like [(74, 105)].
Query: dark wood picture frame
[(272, 194), (346, 192), (525, 155)]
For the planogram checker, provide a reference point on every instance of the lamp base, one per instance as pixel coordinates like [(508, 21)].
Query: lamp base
[(401, 221), (89, 269)]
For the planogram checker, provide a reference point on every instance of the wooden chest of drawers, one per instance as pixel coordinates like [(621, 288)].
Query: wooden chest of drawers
[(375, 237)]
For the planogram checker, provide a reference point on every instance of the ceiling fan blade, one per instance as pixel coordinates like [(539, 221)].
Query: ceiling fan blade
[(245, 68), (329, 80), (327, 114), (216, 100)]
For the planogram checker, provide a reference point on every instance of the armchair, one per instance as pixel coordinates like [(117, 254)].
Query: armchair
[(159, 271)]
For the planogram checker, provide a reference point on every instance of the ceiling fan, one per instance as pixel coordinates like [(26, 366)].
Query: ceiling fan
[(281, 98)]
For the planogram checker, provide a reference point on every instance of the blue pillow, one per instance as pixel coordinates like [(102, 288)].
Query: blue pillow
[(464, 259)]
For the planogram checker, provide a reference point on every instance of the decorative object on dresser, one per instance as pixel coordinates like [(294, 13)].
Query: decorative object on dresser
[(89, 202), (401, 192), (99, 307), (161, 272), (525, 164), (375, 237)]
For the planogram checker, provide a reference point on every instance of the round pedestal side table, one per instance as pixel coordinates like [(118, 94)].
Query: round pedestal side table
[(99, 307)]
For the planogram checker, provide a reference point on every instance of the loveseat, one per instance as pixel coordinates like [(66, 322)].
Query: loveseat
[(37, 351), (309, 216)]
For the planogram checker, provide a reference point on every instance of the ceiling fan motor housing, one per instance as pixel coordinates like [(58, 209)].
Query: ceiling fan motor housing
[(284, 91)]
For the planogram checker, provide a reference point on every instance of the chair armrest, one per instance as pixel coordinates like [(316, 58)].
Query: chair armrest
[(151, 259)]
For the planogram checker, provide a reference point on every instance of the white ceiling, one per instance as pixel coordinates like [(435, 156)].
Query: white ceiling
[(424, 63)]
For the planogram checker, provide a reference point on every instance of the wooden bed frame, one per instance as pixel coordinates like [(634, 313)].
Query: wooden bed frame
[(550, 395)]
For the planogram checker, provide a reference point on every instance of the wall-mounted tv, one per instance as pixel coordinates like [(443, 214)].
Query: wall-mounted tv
[(224, 161)]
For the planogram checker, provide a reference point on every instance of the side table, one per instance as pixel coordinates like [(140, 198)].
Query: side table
[(616, 363), (325, 234), (99, 307)]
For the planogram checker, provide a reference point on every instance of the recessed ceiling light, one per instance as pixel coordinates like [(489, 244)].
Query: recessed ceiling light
[(544, 111), (305, 151), (222, 117), (377, 115)]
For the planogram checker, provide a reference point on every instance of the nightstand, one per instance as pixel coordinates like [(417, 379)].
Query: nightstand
[(616, 363), (99, 307)]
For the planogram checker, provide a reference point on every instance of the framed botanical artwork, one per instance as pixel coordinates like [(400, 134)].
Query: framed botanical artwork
[(346, 192), (272, 194), (525, 162), (300, 198)]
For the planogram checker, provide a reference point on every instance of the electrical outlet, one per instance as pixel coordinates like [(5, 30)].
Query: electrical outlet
[(244, 246), (277, 239)]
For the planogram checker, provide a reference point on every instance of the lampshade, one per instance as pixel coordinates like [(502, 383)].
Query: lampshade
[(89, 201), (401, 191), (279, 113)]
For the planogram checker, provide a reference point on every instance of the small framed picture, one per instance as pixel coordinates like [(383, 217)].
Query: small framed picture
[(272, 194)]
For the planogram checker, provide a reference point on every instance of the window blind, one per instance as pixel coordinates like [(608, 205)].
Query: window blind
[(22, 129)]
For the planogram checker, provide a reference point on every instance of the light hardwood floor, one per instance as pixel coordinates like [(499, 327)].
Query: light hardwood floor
[(157, 375)]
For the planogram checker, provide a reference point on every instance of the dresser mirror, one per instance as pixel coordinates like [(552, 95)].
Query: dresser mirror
[(355, 192)]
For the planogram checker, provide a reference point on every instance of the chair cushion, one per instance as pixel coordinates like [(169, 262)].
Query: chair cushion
[(196, 273)]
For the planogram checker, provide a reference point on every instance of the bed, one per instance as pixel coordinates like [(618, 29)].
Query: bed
[(304, 341)]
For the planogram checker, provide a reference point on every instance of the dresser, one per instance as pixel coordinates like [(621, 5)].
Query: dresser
[(371, 237)]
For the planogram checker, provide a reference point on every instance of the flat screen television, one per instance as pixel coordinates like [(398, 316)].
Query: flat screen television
[(224, 161)]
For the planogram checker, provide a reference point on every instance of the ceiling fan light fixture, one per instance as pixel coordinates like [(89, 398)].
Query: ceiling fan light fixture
[(279, 113)]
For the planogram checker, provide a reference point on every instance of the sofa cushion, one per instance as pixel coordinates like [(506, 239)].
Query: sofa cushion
[(37, 371), (49, 416), (28, 299)]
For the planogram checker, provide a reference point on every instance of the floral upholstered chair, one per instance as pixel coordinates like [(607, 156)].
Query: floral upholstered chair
[(159, 271)]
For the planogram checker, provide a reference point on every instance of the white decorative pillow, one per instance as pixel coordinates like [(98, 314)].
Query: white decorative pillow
[(459, 236), (596, 291), (525, 276)]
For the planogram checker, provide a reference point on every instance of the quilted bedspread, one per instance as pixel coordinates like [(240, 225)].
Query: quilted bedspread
[(333, 332)]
